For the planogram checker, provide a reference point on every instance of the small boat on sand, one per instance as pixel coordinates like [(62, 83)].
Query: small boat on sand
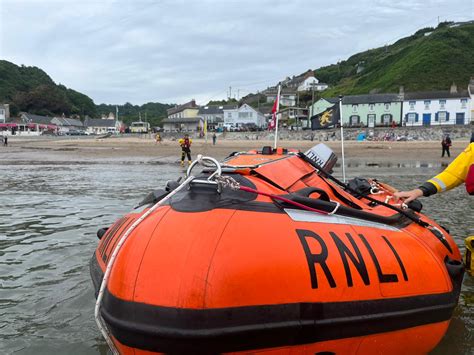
[(268, 252)]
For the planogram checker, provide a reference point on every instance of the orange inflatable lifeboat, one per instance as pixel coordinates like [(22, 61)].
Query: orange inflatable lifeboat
[(269, 253)]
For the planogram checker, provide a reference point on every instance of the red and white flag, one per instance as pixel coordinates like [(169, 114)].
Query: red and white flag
[(276, 105)]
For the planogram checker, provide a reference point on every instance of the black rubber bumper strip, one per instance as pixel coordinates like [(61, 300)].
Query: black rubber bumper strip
[(178, 330)]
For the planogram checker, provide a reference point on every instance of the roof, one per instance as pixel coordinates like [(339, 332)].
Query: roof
[(369, 99), (283, 91), (64, 121), (436, 95), (36, 118), (182, 120), (331, 100), (179, 108), (98, 122), (214, 110)]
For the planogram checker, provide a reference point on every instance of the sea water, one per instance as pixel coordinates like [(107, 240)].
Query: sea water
[(49, 215)]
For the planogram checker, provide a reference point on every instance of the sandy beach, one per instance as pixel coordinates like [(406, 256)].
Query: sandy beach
[(85, 149)]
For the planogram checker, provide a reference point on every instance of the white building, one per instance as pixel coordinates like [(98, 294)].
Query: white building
[(214, 115), (437, 108), (471, 94), (102, 126), (310, 81), (287, 96), (243, 115), (4, 113)]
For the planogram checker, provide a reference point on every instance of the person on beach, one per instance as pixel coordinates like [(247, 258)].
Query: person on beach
[(459, 171), (214, 138), (158, 138), (5, 141), (185, 144), (445, 144)]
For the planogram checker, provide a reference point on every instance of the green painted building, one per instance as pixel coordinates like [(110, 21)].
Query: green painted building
[(364, 110), (371, 110)]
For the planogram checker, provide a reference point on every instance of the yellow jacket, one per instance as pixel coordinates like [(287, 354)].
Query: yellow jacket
[(454, 175)]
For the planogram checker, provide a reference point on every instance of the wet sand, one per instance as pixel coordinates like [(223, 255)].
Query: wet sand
[(115, 149)]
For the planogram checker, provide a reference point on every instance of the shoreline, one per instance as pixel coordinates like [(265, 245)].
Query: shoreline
[(118, 149)]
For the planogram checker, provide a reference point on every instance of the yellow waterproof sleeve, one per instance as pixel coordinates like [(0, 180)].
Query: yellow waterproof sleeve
[(456, 172)]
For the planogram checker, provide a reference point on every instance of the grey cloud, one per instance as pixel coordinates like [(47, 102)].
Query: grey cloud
[(171, 51)]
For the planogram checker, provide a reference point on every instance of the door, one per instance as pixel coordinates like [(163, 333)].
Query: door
[(460, 118), (426, 119), (371, 121)]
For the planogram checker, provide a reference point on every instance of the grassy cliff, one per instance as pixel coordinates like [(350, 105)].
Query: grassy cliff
[(430, 59)]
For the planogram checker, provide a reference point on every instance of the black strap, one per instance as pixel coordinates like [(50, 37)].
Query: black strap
[(412, 216)]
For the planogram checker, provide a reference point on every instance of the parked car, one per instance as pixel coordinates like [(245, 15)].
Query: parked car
[(74, 132)]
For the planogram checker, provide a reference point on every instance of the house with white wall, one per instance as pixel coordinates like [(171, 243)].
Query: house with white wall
[(310, 81), (214, 115), (102, 126), (471, 95), (4, 113), (243, 115), (287, 96), (437, 108)]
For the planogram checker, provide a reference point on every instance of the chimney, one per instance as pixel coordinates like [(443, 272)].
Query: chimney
[(401, 90), (454, 89)]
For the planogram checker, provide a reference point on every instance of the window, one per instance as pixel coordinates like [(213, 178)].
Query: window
[(371, 107), (243, 114), (412, 105), (354, 120), (427, 104), (386, 119), (442, 104), (387, 106), (229, 114), (411, 117), (463, 104), (354, 108), (443, 116), (2, 111)]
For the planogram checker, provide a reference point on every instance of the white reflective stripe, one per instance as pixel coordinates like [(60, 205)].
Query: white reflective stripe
[(308, 216), (440, 183)]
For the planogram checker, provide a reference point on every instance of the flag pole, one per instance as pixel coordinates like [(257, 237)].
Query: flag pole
[(277, 113), (342, 140)]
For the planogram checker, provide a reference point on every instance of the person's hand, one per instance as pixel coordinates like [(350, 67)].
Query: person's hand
[(407, 196)]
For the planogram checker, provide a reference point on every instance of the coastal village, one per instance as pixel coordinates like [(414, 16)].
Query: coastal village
[(216, 177), (448, 108)]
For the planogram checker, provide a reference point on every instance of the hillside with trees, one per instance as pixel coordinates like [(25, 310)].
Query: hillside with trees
[(152, 112), (30, 89)]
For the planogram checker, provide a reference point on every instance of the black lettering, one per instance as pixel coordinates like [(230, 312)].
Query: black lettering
[(314, 259), (402, 267), (358, 262), (383, 278)]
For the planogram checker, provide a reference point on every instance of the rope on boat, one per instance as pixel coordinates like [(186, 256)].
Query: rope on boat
[(98, 318), (213, 179)]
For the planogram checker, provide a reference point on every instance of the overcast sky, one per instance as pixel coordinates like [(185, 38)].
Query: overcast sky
[(172, 51)]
